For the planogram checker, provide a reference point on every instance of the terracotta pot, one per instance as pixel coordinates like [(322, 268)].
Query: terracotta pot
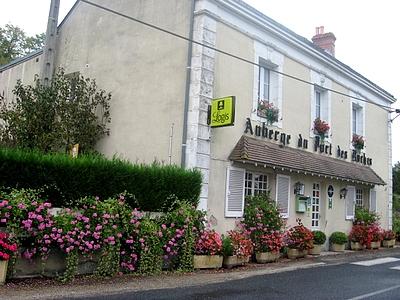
[(316, 250), (230, 261), (375, 245), (266, 257), (356, 246), (207, 261), (3, 271), (388, 243), (337, 247)]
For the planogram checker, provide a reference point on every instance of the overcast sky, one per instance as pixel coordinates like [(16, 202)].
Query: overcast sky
[(366, 32)]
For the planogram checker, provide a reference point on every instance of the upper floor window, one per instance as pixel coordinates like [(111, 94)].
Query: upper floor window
[(357, 122), (264, 84), (318, 104), (321, 105), (320, 100)]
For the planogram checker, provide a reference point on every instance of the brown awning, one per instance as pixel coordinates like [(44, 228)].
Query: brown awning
[(261, 152)]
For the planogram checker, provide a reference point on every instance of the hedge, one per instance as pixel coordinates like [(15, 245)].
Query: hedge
[(66, 180)]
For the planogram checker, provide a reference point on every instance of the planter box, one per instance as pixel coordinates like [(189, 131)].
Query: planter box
[(207, 261), (266, 257), (296, 253), (316, 250), (356, 246), (3, 271), (375, 245), (230, 261), (388, 243), (337, 247)]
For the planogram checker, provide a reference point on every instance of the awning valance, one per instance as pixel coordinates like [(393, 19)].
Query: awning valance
[(252, 150)]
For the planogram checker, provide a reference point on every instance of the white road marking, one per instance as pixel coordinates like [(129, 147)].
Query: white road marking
[(375, 293), (395, 268), (378, 261)]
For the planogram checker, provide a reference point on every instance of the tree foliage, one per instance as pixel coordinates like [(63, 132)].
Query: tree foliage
[(72, 110), (15, 43), (396, 178)]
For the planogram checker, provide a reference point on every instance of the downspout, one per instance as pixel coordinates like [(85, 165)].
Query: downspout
[(187, 87)]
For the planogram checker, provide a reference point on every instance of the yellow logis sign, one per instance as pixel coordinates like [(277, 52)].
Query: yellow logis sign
[(222, 112)]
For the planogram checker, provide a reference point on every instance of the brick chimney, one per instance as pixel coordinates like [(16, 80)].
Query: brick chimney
[(325, 41)]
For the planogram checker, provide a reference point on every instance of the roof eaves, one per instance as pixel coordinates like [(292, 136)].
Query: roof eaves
[(20, 60)]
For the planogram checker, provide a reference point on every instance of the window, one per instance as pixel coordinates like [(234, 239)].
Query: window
[(317, 104), (315, 201), (359, 198), (357, 122), (255, 184), (264, 84)]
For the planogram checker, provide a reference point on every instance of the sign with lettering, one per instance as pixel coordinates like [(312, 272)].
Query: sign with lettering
[(222, 112)]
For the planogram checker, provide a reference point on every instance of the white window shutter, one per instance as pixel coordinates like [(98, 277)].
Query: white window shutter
[(349, 202), (274, 88), (283, 194), (234, 198), (372, 200)]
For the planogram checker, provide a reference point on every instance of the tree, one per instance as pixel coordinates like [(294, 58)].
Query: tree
[(72, 110), (14, 43), (396, 178)]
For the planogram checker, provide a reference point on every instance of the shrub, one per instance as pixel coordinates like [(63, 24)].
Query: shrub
[(365, 217), (7, 247), (338, 237), (388, 235), (208, 243), (359, 234), (299, 237), (241, 243), (319, 237), (270, 242), (66, 180), (227, 246)]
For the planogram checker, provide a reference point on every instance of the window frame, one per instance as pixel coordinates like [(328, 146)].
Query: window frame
[(253, 183)]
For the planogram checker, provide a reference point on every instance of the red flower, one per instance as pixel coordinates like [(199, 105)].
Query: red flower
[(320, 126)]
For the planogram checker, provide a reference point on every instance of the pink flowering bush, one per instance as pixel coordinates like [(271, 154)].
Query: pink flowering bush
[(7, 247), (299, 237), (209, 242), (270, 242)]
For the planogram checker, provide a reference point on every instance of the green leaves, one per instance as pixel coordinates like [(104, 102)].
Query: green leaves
[(72, 110)]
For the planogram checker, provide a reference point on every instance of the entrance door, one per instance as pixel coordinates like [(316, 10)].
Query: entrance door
[(315, 205)]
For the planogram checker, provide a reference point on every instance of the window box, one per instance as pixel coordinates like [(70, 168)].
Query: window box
[(266, 109)]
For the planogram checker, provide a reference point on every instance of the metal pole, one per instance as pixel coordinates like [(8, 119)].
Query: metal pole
[(50, 43)]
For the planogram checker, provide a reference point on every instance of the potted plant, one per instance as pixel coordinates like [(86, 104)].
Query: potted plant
[(358, 142), (299, 240), (389, 238), (319, 239), (208, 250), (7, 249), (268, 246), (358, 237), (267, 110), (374, 236), (338, 241), (321, 128), (236, 248)]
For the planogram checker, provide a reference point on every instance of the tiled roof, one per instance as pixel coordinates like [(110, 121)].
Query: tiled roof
[(253, 150)]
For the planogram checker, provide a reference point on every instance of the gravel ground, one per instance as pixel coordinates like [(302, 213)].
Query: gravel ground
[(41, 288)]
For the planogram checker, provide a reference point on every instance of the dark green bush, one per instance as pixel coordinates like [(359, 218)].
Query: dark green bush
[(338, 237), (319, 237), (227, 247), (65, 180)]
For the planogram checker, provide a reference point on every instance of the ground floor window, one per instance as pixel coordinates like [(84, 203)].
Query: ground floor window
[(315, 201), (359, 198), (255, 184)]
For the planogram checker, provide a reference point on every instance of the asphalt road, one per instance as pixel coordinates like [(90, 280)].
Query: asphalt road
[(329, 281)]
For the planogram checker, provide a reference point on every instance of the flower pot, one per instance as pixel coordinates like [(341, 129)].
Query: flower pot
[(207, 261), (375, 245), (316, 250), (230, 261), (3, 271), (388, 243), (241, 260), (356, 246), (266, 257), (294, 253), (337, 247)]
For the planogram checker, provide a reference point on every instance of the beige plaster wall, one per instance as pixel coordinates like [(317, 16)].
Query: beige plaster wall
[(144, 69)]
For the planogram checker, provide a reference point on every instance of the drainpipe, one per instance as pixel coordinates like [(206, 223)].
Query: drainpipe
[(187, 87), (49, 48)]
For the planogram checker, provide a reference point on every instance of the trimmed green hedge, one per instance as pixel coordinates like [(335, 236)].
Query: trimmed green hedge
[(66, 179)]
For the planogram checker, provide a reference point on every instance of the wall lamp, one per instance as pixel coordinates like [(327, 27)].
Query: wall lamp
[(299, 188), (343, 193)]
